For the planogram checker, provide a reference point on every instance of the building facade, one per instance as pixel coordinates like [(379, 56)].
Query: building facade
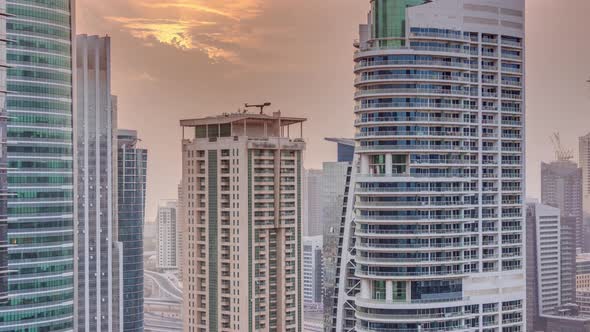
[(181, 234), (3, 163), (40, 159), (313, 207), (167, 235), (584, 150), (543, 263), (324, 190), (583, 300), (434, 236), (243, 185), (98, 254), (131, 179), (345, 149), (561, 187), (313, 271)]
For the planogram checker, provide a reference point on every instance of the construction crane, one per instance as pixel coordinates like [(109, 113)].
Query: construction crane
[(260, 106), (561, 153)]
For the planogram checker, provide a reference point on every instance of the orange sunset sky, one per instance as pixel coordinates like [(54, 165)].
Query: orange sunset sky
[(178, 59)]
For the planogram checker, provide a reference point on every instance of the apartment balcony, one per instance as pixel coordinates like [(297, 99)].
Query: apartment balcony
[(379, 191), (512, 83), (411, 92), (442, 49), (411, 303), (396, 247), (437, 317), (512, 123), (511, 43), (413, 205), (411, 105), (510, 56), (426, 120), (421, 147), (512, 70), (398, 134), (512, 229), (412, 234), (511, 96), (489, 54), (404, 262), (363, 64), (512, 110), (409, 78)]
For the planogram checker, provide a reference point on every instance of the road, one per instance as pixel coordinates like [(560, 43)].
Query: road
[(165, 285), (155, 323)]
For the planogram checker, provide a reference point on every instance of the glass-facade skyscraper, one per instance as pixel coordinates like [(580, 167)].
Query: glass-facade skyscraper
[(131, 174), (41, 167), (434, 236)]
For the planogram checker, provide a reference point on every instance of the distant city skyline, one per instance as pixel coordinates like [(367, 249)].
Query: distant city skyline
[(301, 55)]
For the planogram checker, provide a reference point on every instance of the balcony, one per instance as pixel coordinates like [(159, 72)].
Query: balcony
[(450, 120), (371, 134), (411, 77), (411, 63), (371, 92), (417, 148)]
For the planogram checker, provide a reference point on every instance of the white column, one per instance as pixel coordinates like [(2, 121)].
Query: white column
[(389, 290), (364, 164), (388, 162)]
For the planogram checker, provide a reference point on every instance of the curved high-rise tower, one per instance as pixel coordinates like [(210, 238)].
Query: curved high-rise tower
[(434, 236), (40, 157)]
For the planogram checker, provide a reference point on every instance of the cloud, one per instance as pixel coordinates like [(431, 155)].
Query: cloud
[(213, 28), (234, 9), (145, 76), (171, 32)]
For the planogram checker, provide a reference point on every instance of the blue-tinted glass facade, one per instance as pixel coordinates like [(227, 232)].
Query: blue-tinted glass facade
[(132, 167), (345, 152), (40, 160)]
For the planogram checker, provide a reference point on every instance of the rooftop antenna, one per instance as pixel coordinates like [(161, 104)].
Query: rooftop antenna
[(561, 153), (260, 106)]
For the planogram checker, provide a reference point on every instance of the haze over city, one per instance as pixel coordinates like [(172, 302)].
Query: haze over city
[(181, 59), (294, 166)]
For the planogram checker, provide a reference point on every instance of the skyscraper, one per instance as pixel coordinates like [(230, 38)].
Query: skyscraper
[(324, 190), (3, 164), (98, 252), (551, 266), (242, 184), (434, 236), (313, 208), (167, 235), (584, 146), (181, 234), (543, 263), (561, 187), (40, 157), (313, 267), (131, 174)]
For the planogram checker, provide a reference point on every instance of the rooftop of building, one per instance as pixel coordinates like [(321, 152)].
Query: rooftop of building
[(228, 118), (583, 258), (243, 123), (343, 141)]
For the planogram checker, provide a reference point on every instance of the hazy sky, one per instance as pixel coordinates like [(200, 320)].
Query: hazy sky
[(178, 59)]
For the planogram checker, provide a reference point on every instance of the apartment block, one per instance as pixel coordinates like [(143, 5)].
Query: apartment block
[(167, 232), (434, 236), (243, 185)]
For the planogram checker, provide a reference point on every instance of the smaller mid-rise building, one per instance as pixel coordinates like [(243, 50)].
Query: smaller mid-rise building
[(582, 271), (583, 301), (543, 261), (167, 235)]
